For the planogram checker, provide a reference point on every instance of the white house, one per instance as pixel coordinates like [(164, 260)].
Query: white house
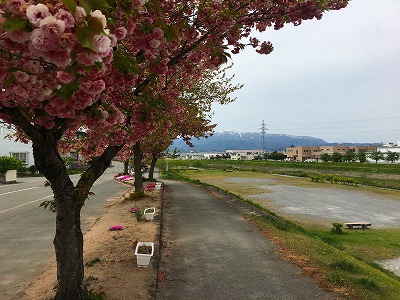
[(19, 150), (244, 154)]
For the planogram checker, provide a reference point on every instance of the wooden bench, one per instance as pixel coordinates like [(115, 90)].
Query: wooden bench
[(350, 225)]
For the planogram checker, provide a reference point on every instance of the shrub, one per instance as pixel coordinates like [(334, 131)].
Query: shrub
[(337, 227), (32, 169), (9, 163)]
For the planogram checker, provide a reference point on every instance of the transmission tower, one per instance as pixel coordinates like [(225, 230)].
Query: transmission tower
[(263, 134)]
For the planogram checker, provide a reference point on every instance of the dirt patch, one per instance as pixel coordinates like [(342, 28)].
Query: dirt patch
[(111, 254)]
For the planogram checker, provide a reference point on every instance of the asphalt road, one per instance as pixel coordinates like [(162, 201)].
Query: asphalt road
[(27, 231), (214, 253)]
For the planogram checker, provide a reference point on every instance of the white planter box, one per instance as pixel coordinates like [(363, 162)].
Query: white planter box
[(158, 185), (143, 260), (149, 213), (9, 177)]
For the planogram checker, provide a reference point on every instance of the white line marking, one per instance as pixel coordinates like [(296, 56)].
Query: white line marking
[(36, 187), (27, 203)]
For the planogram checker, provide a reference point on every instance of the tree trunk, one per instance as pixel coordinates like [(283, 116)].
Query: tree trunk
[(152, 167), (68, 201), (68, 244), (126, 166), (68, 240), (137, 165)]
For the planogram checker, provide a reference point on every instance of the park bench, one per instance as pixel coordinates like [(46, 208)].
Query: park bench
[(351, 225)]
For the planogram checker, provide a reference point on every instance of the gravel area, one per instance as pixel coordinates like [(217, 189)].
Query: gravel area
[(392, 265), (334, 205), (330, 205)]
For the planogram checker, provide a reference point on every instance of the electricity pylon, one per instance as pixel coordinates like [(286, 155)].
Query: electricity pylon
[(263, 134)]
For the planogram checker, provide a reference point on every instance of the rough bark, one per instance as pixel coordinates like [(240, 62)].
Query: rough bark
[(152, 167), (126, 167), (68, 240), (137, 165)]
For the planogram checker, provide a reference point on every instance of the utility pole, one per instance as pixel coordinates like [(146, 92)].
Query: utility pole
[(263, 134)]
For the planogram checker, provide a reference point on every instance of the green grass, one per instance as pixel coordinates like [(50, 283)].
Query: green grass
[(346, 262)]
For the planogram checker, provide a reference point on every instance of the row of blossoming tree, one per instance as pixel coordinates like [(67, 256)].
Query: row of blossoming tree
[(111, 67)]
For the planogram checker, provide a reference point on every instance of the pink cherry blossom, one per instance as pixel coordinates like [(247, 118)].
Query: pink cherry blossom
[(99, 15), (51, 26), (18, 36), (87, 58), (41, 41), (64, 77), (15, 5), (59, 58), (35, 13), (120, 33), (154, 43), (21, 76), (101, 43), (80, 14), (65, 16)]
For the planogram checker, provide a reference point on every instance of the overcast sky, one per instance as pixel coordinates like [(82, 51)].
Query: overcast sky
[(337, 78)]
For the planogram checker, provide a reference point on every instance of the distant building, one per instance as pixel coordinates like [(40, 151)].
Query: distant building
[(385, 148), (313, 153), (19, 150), (191, 155), (244, 154)]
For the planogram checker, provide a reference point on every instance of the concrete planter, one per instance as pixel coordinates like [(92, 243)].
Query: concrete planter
[(9, 177), (149, 213), (143, 259)]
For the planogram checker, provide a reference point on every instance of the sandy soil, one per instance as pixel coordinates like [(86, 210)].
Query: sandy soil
[(116, 274)]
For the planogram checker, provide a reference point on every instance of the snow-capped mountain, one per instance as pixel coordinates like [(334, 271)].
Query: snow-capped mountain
[(233, 140)]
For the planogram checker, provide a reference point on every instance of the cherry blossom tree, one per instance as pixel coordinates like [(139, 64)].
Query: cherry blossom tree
[(98, 65)]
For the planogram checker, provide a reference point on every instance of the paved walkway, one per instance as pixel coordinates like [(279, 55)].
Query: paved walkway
[(213, 253)]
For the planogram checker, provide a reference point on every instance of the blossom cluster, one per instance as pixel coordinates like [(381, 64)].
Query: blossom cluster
[(48, 73), (117, 70)]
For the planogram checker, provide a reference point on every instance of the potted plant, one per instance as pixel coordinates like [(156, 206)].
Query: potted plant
[(149, 213), (8, 169), (144, 251)]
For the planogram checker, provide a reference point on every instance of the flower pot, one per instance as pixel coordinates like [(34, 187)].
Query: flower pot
[(158, 185), (143, 259), (9, 176), (149, 213)]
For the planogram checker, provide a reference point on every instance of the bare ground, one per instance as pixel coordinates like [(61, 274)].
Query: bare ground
[(114, 272)]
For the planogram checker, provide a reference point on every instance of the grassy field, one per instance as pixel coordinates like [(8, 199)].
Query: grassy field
[(377, 175), (345, 262)]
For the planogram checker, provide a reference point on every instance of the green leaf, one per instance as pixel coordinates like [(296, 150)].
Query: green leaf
[(125, 63), (12, 69), (66, 91), (84, 36), (10, 80), (87, 5), (153, 4), (100, 5), (171, 32), (15, 24), (70, 4)]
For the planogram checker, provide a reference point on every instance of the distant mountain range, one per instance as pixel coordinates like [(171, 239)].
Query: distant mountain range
[(233, 140)]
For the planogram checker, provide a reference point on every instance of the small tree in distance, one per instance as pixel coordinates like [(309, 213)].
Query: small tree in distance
[(392, 156), (376, 155), (326, 157), (362, 157)]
